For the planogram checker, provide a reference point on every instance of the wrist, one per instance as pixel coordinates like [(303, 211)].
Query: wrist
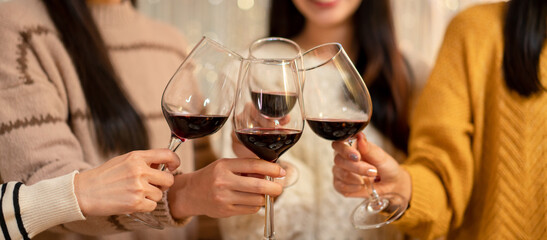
[(179, 197), (80, 198), (404, 183)]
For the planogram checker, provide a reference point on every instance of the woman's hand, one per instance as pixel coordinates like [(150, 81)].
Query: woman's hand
[(370, 161), (125, 184), (218, 190)]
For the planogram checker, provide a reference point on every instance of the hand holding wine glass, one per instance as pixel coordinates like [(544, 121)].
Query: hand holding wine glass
[(133, 184), (198, 99), (219, 190), (338, 106), (367, 159)]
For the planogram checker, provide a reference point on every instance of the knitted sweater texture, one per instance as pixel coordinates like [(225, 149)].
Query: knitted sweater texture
[(478, 151), (45, 128)]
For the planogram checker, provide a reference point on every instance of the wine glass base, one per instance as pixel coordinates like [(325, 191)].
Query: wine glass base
[(147, 219), (372, 214), (291, 176)]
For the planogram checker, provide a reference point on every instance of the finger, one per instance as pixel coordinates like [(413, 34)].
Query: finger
[(347, 189), (346, 151), (159, 178), (347, 177), (370, 152), (361, 168), (153, 193), (160, 156), (248, 199), (256, 186), (259, 176), (358, 194), (249, 165), (242, 209), (146, 205)]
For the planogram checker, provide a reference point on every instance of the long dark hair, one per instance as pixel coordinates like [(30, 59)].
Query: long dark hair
[(118, 126), (524, 34), (379, 61)]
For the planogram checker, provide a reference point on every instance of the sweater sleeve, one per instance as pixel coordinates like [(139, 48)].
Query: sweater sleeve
[(29, 210), (440, 160)]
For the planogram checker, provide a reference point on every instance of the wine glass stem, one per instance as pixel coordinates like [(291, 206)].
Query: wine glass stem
[(269, 216), (174, 143), (373, 194)]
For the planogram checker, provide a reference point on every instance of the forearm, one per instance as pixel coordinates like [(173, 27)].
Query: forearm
[(177, 194)]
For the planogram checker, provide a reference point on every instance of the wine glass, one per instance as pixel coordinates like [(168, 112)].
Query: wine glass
[(268, 87), (278, 48), (338, 106), (198, 99)]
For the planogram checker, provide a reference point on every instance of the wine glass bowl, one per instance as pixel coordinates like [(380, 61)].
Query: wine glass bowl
[(338, 106), (270, 97), (199, 97)]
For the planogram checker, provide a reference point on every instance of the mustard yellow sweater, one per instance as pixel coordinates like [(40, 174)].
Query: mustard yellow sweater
[(478, 151)]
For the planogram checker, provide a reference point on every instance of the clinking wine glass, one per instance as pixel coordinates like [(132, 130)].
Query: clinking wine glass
[(338, 106), (265, 136), (277, 48), (198, 99)]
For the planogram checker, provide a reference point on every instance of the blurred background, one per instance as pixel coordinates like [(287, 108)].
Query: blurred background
[(419, 24)]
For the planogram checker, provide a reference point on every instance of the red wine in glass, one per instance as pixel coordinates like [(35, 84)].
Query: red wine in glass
[(191, 126), (274, 104), (336, 129), (268, 143)]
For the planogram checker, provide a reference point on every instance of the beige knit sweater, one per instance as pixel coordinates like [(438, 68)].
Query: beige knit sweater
[(39, 89)]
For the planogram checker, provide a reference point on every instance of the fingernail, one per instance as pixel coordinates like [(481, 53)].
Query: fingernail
[(354, 157), (282, 172), (377, 179), (372, 172)]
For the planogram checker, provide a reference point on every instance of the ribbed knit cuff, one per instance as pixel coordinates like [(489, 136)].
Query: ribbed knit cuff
[(49, 203), (426, 205), (163, 213)]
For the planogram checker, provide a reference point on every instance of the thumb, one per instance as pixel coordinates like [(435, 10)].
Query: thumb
[(370, 152), (163, 156)]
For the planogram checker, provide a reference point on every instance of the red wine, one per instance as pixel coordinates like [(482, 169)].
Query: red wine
[(268, 143), (186, 126), (336, 129), (274, 104)]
